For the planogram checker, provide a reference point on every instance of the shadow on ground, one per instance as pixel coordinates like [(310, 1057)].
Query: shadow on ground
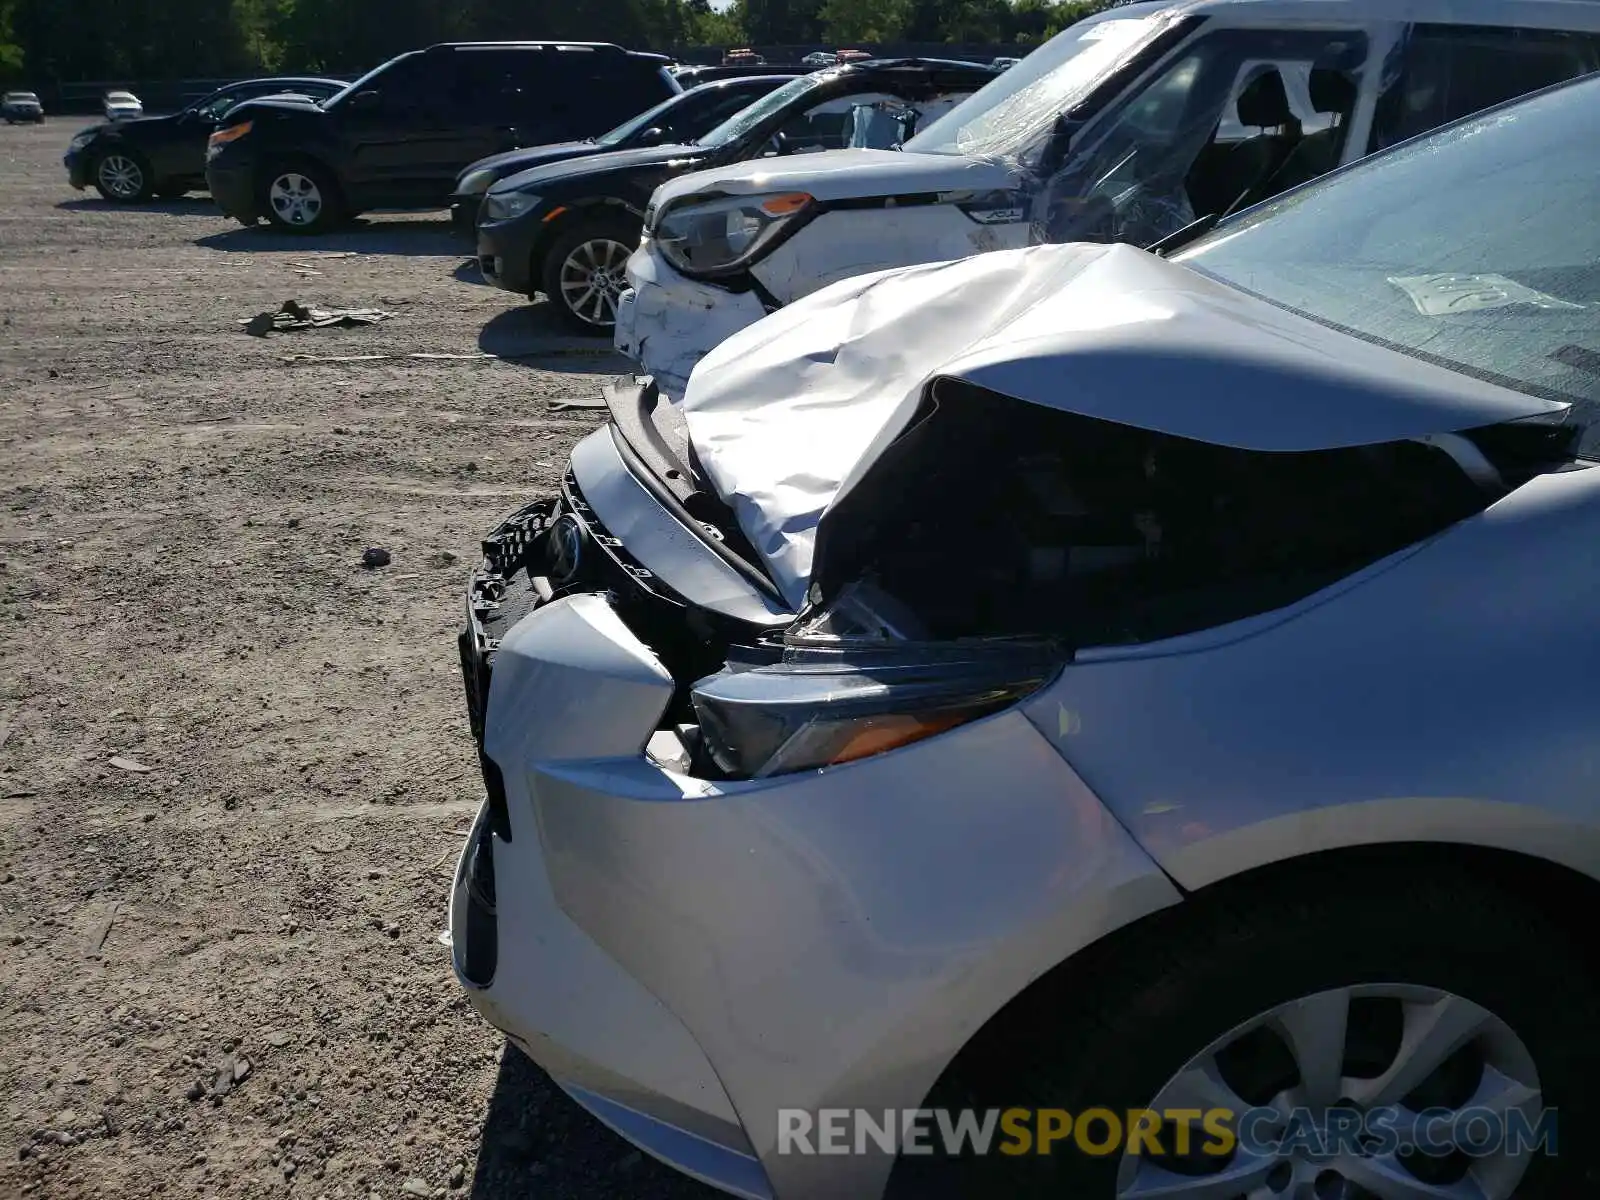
[(530, 334), (538, 1142), (468, 272), (182, 207), (419, 239)]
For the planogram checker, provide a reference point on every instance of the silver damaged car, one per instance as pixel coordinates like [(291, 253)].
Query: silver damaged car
[(1084, 722)]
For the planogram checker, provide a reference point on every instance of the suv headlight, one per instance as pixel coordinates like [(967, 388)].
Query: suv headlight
[(476, 182), (712, 235), (504, 206), (81, 140)]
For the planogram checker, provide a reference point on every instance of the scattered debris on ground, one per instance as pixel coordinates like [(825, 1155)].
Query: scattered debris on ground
[(180, 526), (292, 315)]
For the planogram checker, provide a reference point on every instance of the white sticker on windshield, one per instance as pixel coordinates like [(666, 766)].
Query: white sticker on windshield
[(1112, 28), (1443, 294)]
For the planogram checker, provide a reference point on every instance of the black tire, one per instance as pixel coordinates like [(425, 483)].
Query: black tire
[(301, 196), (599, 242), (122, 176), (1111, 1029)]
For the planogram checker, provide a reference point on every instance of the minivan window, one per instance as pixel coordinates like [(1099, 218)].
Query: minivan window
[(1440, 73), (1475, 249), (742, 122), (1006, 115)]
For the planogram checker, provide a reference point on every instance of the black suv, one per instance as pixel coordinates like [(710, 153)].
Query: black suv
[(129, 161), (397, 137), (567, 229)]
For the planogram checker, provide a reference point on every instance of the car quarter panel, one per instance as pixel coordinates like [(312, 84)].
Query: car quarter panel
[(1447, 694)]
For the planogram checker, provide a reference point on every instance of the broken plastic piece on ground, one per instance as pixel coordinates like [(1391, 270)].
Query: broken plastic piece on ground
[(563, 403), (293, 315)]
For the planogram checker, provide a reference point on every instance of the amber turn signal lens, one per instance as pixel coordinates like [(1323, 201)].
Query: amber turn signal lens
[(232, 133)]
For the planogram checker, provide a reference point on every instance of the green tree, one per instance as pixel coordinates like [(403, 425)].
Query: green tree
[(853, 21), (11, 56)]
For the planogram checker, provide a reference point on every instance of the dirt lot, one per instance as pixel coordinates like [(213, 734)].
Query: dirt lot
[(220, 972)]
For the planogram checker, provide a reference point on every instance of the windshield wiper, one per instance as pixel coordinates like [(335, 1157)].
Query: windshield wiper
[(1178, 239)]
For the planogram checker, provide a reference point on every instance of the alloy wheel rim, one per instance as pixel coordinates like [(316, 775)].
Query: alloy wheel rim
[(296, 199), (1439, 1084), (592, 279), (120, 176)]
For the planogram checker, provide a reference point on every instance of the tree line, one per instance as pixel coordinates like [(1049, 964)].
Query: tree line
[(72, 40)]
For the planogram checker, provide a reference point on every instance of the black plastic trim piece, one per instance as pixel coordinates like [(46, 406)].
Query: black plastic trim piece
[(636, 467)]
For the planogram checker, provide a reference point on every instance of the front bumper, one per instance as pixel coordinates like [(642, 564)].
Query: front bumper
[(464, 214), (668, 322), (231, 180), (505, 253), (77, 164), (687, 958)]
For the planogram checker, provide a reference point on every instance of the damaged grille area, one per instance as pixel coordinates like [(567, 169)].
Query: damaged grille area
[(993, 517), (523, 567)]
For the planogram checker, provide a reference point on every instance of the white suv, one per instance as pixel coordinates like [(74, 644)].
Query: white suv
[(1126, 127)]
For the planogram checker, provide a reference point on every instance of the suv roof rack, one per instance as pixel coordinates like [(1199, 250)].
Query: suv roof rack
[(528, 44)]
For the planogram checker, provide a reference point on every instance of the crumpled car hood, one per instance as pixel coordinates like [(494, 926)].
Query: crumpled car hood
[(844, 174), (788, 414)]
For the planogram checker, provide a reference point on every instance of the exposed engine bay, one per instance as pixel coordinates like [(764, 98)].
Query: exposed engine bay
[(994, 518)]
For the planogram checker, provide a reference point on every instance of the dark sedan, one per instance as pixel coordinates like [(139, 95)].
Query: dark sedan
[(680, 118), (130, 161), (566, 230)]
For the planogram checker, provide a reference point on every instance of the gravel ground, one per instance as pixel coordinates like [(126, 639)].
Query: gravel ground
[(234, 767)]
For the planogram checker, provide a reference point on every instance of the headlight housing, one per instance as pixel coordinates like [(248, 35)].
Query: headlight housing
[(475, 183), (827, 708), (715, 235), (504, 206), (81, 140)]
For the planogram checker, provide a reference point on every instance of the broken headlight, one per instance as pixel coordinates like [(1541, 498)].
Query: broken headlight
[(713, 235), (828, 708)]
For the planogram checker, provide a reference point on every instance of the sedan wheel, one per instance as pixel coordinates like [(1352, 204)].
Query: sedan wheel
[(121, 178), (1381, 1090), (592, 277), (296, 200), (1285, 1036)]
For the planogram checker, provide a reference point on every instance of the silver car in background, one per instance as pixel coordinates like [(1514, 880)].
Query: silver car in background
[(21, 106), (122, 106), (1090, 685)]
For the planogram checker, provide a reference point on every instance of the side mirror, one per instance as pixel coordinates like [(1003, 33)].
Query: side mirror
[(777, 145), (653, 136), (367, 101)]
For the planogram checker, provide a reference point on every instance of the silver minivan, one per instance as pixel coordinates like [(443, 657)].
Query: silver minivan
[(1125, 127)]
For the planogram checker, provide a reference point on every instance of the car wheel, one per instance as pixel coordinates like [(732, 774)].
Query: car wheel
[(1332, 1007), (123, 177), (585, 271), (301, 198)]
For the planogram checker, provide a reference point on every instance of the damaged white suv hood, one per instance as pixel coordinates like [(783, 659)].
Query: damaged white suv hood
[(843, 174), (788, 414)]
